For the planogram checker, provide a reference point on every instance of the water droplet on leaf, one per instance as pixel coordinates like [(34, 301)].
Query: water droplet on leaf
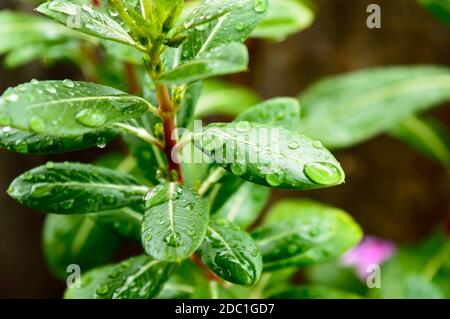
[(323, 173), (91, 118), (68, 83), (37, 124)]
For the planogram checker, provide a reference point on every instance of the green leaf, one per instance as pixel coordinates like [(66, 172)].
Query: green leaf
[(220, 97), (71, 188), (244, 205), (300, 233), (167, 11), (135, 278), (75, 240), (285, 17), (426, 135), (123, 52), (315, 292), (86, 19), (224, 59), (18, 30), (271, 156), (186, 281), (89, 282), (67, 108), (279, 112), (231, 253), (27, 142), (186, 113), (219, 22), (351, 108), (440, 8), (124, 222), (175, 222)]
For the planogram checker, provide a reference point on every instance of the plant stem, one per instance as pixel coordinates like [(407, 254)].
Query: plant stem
[(133, 84), (167, 113), (206, 271), (141, 133), (213, 178)]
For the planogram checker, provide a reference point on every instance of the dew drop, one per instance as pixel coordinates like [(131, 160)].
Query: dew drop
[(172, 239), (110, 200), (91, 118), (102, 290), (50, 89), (68, 83), (68, 204), (260, 5), (293, 145), (101, 142), (323, 173), (50, 165), (34, 82), (28, 176), (317, 144), (243, 126), (12, 97), (37, 124), (238, 169), (275, 178), (240, 26)]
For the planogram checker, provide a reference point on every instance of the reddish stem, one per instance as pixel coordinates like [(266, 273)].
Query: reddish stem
[(208, 273), (168, 119), (96, 3)]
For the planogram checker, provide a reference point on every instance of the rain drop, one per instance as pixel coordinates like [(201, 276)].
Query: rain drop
[(293, 145), (317, 144), (323, 173), (243, 126), (91, 118), (260, 5), (275, 178), (50, 89), (238, 169), (68, 83), (68, 204), (102, 290), (101, 142)]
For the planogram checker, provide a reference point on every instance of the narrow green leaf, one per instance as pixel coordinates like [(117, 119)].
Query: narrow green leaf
[(271, 156), (300, 233), (348, 109), (220, 97), (19, 29), (76, 240), (135, 278), (285, 17), (314, 292), (72, 188), (175, 222), (220, 60), (427, 136), (244, 205), (231, 253), (89, 282), (124, 222), (219, 22), (440, 8), (27, 142), (278, 112), (86, 19), (66, 108), (186, 113)]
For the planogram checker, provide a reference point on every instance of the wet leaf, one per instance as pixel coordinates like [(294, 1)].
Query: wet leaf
[(299, 233), (71, 188), (175, 222), (66, 108), (231, 253), (271, 156)]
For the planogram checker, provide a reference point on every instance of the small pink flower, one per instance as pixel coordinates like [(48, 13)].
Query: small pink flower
[(371, 250)]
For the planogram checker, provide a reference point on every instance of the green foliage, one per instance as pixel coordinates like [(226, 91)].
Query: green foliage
[(70, 188), (440, 8), (189, 217), (348, 109), (271, 156), (299, 233), (231, 253), (175, 222)]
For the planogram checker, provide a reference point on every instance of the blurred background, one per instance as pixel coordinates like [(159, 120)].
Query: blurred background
[(392, 190)]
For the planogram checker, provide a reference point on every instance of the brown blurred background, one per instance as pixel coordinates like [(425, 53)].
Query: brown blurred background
[(391, 190)]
